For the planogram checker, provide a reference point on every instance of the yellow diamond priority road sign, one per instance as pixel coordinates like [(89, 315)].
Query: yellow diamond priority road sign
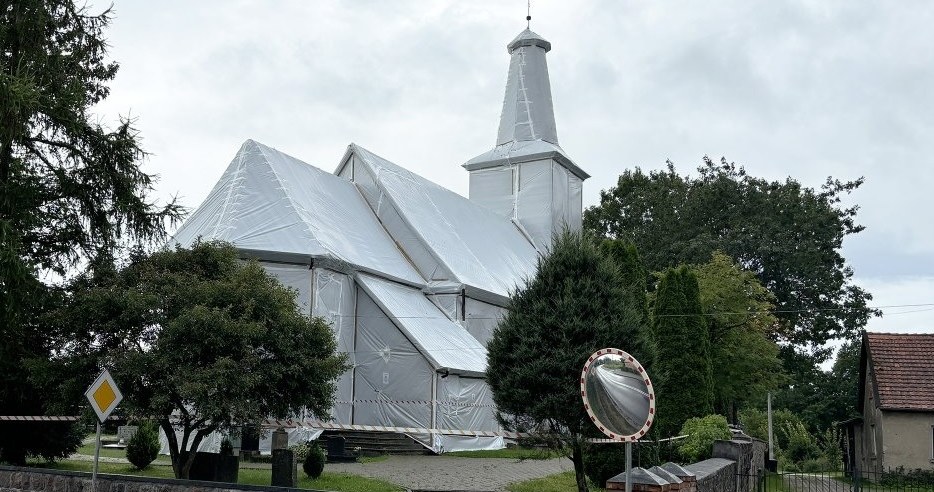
[(104, 395)]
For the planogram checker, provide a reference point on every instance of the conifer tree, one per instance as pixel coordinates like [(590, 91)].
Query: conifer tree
[(683, 369), (71, 193), (573, 306)]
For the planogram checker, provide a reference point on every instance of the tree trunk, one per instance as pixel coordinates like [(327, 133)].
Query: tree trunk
[(577, 456)]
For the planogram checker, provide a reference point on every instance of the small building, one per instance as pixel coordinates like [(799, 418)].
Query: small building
[(896, 401)]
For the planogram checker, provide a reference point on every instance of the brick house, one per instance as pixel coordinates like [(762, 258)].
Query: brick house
[(896, 401)]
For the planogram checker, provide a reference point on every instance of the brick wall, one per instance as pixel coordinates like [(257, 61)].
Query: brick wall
[(17, 479)]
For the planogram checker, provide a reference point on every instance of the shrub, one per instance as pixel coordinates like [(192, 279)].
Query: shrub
[(800, 443), (702, 432), (313, 464), (226, 447), (143, 447), (604, 461), (300, 450)]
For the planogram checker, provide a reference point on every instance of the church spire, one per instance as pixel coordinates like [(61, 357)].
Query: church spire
[(527, 128), (527, 109), (527, 178)]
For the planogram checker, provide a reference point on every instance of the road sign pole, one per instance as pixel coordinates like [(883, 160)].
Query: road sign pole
[(628, 466), (97, 455)]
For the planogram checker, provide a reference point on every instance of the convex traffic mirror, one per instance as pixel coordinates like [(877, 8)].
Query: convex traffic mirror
[(618, 394)]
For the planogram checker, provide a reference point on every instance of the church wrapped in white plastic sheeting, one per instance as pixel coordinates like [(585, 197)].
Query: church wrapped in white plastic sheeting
[(412, 277)]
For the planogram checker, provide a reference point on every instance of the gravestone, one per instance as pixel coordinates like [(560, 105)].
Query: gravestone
[(125, 433), (284, 469)]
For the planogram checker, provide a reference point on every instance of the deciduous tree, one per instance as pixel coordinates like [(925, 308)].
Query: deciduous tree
[(789, 235), (204, 342), (738, 310)]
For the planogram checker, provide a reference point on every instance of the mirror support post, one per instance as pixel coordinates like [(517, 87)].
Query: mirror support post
[(628, 466)]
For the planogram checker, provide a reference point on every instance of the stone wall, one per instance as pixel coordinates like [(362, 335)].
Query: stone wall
[(17, 479), (735, 467), (715, 475)]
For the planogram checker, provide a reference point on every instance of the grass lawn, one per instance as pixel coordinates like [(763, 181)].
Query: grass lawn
[(510, 453), (774, 483), (561, 482), (338, 482)]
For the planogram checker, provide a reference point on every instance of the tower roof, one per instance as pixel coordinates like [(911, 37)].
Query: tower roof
[(527, 128)]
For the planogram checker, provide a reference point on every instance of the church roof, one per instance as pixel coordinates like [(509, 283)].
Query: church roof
[(445, 344), (478, 247), (274, 204)]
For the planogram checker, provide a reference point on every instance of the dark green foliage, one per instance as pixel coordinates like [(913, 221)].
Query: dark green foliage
[(199, 332), (572, 307), (823, 398), (800, 445), (634, 278), (790, 236), (604, 461), (744, 359), (143, 447), (683, 371), (702, 432), (313, 464), (226, 447), (71, 191)]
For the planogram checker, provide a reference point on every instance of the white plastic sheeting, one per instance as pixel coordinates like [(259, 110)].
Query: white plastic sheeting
[(446, 345), (482, 319), (334, 300), (527, 108), (297, 277), (462, 241), (270, 202), (212, 442), (466, 403), (392, 380)]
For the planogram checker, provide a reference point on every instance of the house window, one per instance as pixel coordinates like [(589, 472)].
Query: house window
[(932, 443), (872, 430)]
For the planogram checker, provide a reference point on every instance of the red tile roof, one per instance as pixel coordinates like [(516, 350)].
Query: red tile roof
[(903, 364)]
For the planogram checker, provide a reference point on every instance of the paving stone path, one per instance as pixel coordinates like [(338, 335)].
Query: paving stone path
[(447, 473)]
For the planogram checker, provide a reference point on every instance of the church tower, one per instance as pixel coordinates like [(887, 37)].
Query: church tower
[(527, 177)]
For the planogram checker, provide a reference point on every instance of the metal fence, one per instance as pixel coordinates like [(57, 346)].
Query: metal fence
[(843, 482)]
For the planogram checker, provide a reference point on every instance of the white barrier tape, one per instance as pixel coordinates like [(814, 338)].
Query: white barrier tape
[(45, 418), (317, 424), (419, 402)]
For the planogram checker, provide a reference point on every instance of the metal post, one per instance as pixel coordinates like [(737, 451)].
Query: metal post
[(771, 446), (97, 455), (628, 466)]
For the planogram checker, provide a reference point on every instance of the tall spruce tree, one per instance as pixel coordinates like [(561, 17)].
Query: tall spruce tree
[(683, 369), (634, 280), (573, 306), (71, 192)]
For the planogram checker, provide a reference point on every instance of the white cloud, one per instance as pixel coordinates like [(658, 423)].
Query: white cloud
[(802, 88)]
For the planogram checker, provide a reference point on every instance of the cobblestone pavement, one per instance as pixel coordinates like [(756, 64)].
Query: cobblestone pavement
[(453, 473)]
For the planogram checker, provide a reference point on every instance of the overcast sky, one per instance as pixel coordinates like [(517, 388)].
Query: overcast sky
[(807, 89)]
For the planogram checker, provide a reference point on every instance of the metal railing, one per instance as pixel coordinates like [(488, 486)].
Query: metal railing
[(838, 481)]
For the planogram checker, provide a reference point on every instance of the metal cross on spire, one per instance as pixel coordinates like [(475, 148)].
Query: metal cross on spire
[(528, 14)]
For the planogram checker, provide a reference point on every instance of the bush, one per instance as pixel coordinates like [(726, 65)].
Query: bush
[(226, 447), (143, 447), (603, 462), (313, 464), (702, 432), (800, 443)]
